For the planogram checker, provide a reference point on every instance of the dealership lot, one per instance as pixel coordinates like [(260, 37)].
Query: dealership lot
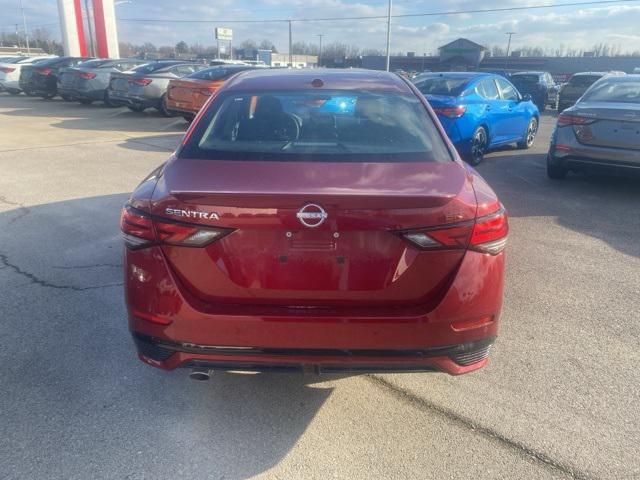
[(559, 399)]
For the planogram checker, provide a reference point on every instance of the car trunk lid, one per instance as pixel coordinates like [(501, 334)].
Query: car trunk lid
[(354, 258), (608, 125)]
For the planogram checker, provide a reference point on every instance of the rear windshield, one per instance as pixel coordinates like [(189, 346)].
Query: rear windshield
[(584, 80), (525, 79), (620, 92), (442, 86), (152, 67), (216, 73), (328, 126), (93, 63)]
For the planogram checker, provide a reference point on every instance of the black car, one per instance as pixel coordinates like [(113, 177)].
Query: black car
[(44, 77), (577, 85), (540, 85)]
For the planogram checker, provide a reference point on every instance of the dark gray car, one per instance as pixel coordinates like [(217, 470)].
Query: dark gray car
[(146, 86), (601, 131), (571, 91), (88, 82)]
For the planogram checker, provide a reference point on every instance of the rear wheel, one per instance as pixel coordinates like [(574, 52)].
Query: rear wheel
[(66, 98), (188, 118), (136, 108), (530, 134), (85, 101), (14, 92), (163, 107), (479, 143), (555, 172), (107, 101), (48, 96)]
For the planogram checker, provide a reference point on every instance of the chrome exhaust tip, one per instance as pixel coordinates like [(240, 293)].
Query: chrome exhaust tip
[(200, 374)]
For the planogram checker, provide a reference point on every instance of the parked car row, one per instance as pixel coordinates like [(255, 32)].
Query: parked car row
[(173, 87), (481, 111)]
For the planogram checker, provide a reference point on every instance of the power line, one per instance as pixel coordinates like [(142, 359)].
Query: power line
[(384, 17)]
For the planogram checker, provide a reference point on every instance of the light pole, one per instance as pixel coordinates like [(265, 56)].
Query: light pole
[(290, 47), (389, 35), (506, 60), (320, 35), (24, 24)]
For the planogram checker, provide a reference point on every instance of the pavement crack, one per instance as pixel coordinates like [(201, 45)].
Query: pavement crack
[(81, 267), (35, 280), (465, 422), (21, 208)]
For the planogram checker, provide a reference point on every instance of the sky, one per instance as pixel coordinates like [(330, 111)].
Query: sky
[(577, 27)]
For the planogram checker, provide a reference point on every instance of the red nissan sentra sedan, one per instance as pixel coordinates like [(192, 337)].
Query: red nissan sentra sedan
[(315, 221)]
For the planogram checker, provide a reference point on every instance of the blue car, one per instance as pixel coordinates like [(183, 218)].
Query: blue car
[(480, 111)]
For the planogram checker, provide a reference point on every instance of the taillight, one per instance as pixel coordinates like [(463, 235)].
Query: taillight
[(207, 92), (490, 233), (452, 112), (569, 119), (187, 235), (44, 71), (136, 227), (487, 235), (141, 81), (140, 230), (87, 75), (456, 236), (6, 69)]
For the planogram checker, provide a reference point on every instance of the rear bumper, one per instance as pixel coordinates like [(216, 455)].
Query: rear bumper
[(565, 151), (454, 359), (195, 335), (134, 100)]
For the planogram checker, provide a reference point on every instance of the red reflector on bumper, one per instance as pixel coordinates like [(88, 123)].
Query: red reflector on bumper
[(471, 324), (151, 318)]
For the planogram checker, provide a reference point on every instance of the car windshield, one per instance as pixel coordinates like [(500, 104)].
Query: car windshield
[(216, 73), (449, 86), (584, 80), (620, 92), (525, 79), (330, 126)]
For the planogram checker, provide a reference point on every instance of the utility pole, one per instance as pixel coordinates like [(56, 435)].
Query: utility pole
[(506, 60), (290, 46), (320, 35), (24, 24), (389, 35)]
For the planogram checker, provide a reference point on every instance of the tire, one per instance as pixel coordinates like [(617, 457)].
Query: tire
[(479, 143), (48, 96), (529, 135), (107, 101), (555, 172), (188, 118), (66, 98), (562, 106), (541, 107), (14, 92), (85, 101), (163, 108), (137, 108)]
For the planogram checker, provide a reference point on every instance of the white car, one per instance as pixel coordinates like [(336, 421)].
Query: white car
[(10, 72)]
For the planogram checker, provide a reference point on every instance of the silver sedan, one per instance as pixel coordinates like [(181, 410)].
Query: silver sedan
[(601, 131)]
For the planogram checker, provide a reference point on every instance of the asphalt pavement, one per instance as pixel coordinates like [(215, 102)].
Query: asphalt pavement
[(560, 398)]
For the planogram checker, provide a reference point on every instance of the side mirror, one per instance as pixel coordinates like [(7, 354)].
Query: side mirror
[(526, 97)]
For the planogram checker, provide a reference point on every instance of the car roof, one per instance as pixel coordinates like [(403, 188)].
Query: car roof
[(338, 79), (579, 74), (529, 73)]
